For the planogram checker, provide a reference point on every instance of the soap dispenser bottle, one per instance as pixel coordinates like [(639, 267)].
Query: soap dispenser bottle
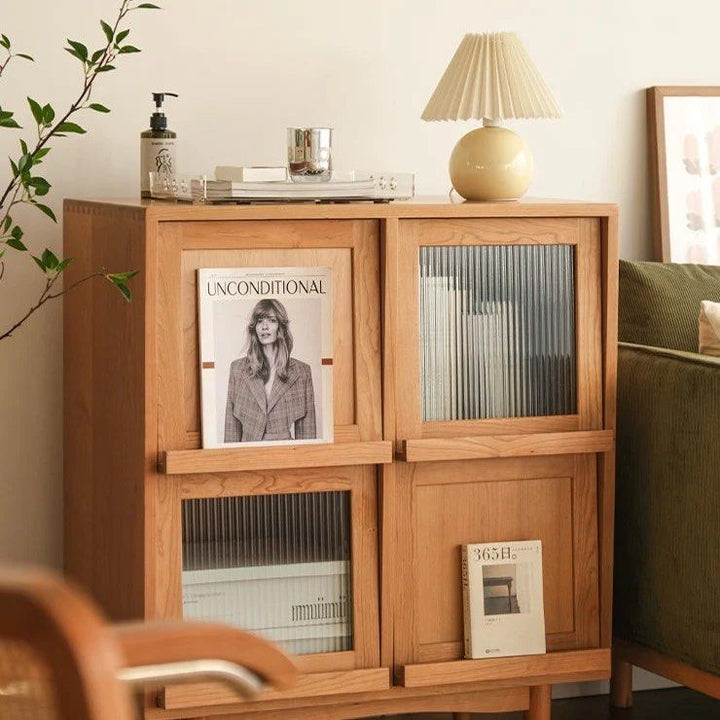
[(157, 146)]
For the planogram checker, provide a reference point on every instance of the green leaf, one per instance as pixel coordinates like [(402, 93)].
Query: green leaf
[(121, 36), (122, 277), (39, 262), (16, 244), (63, 264), (36, 110), (69, 127), (107, 30), (97, 55), (50, 259), (46, 210), (79, 48), (17, 232), (148, 6), (128, 49), (25, 56), (5, 41), (38, 182), (23, 147), (7, 224), (40, 185), (5, 114), (9, 123), (75, 53), (24, 163), (99, 108), (105, 68), (125, 290), (41, 153), (14, 168), (48, 114)]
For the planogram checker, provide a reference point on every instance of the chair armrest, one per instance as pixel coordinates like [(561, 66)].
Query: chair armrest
[(189, 651)]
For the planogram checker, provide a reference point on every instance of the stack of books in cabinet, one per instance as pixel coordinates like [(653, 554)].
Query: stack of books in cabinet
[(473, 355)]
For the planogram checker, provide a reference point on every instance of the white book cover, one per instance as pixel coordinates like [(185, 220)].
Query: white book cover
[(252, 173), (503, 599), (266, 346)]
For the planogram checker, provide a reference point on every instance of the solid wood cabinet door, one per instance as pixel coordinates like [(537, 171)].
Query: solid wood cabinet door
[(444, 505), (349, 247)]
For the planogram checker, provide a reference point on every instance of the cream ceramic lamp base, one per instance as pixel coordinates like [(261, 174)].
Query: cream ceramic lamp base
[(491, 163)]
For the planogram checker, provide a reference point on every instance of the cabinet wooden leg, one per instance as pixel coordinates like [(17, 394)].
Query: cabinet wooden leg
[(540, 703), (621, 683)]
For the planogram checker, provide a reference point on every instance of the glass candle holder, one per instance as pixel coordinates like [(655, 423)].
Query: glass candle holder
[(310, 154)]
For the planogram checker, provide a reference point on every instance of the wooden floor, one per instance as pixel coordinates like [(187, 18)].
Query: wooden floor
[(671, 704)]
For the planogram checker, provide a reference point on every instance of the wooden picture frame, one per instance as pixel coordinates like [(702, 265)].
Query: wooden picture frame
[(684, 149)]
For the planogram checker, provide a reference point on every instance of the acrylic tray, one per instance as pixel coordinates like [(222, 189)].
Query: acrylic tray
[(343, 187)]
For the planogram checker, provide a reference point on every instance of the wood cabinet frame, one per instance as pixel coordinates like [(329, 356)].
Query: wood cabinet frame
[(132, 446)]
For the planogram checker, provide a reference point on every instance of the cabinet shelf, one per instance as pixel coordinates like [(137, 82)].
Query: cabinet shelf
[(503, 446), (283, 457), (179, 697), (554, 667)]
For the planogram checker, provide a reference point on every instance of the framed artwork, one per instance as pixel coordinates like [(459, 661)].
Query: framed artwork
[(684, 135)]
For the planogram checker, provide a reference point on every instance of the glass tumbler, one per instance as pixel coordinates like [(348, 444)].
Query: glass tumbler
[(310, 154)]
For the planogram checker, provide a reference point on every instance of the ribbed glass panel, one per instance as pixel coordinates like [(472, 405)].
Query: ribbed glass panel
[(277, 565), (497, 331)]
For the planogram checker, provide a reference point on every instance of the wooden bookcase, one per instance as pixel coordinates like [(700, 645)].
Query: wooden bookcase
[(418, 488)]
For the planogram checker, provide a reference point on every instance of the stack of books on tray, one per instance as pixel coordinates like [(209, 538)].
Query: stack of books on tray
[(341, 186)]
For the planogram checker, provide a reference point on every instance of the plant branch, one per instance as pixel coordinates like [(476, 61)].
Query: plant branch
[(90, 76), (46, 296)]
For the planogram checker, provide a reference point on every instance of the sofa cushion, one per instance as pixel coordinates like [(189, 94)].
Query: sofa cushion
[(659, 303), (709, 328)]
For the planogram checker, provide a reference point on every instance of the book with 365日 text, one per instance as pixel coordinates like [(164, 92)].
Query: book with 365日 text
[(503, 599)]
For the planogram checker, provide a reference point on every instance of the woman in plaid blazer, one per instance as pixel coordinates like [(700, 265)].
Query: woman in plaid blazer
[(270, 395)]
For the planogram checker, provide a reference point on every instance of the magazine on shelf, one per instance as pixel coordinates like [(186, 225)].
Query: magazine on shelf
[(265, 355), (503, 599)]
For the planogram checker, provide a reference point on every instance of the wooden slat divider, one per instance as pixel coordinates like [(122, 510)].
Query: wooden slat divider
[(556, 667), (183, 462), (310, 685), (496, 446)]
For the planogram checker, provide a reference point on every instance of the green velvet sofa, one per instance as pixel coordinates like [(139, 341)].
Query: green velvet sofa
[(666, 615)]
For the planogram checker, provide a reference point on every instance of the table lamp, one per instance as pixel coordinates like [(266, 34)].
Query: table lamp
[(491, 78)]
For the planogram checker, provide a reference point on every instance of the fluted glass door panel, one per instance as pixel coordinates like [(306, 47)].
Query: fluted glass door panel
[(497, 331), (276, 565)]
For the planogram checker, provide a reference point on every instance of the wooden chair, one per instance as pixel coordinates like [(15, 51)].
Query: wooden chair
[(60, 660)]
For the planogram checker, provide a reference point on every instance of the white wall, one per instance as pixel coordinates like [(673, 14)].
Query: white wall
[(246, 70)]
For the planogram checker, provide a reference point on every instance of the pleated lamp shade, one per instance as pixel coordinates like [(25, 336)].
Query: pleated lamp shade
[(490, 78)]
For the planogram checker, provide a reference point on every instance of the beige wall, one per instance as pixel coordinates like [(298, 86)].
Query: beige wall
[(244, 71)]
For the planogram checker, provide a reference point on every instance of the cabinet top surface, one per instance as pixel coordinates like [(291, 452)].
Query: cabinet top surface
[(417, 207)]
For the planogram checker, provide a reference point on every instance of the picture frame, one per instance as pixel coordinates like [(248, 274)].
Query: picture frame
[(684, 150)]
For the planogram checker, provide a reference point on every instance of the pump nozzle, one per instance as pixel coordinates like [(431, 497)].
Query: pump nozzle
[(159, 98), (158, 121)]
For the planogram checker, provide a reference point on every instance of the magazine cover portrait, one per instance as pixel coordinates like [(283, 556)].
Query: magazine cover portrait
[(265, 355)]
